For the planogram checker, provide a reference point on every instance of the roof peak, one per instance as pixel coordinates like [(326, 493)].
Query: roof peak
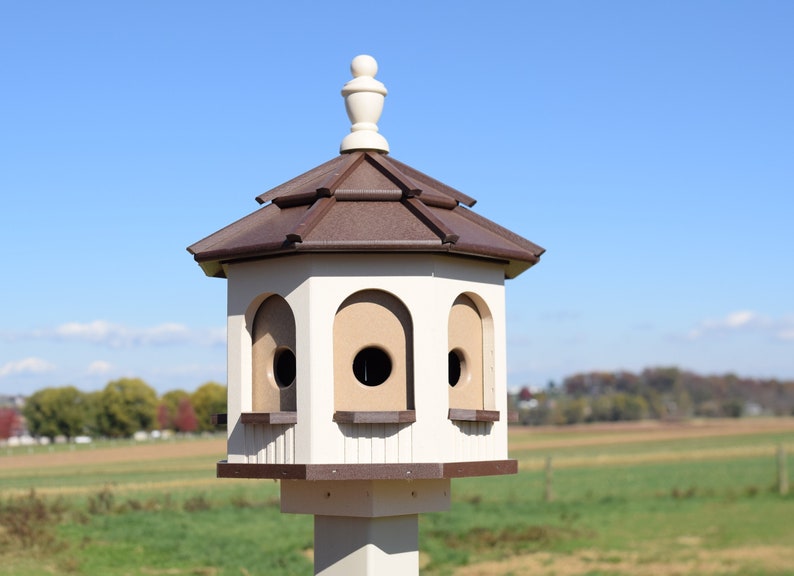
[(364, 98)]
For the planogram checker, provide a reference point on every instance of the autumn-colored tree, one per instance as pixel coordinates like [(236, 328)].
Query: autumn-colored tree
[(208, 399), (185, 420), (164, 420), (168, 408), (9, 422)]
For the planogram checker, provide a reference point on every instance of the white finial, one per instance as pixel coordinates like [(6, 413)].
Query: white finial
[(364, 103)]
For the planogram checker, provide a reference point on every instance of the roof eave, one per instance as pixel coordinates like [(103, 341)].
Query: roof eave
[(214, 264)]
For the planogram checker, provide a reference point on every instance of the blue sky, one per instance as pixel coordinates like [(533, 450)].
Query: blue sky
[(649, 147)]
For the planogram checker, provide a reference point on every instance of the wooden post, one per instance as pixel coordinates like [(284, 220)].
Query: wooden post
[(549, 477), (782, 470)]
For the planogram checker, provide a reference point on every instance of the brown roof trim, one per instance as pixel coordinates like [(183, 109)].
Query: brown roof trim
[(333, 181), (440, 186), (405, 183), (368, 195), (311, 219), (302, 180), (301, 199), (430, 220)]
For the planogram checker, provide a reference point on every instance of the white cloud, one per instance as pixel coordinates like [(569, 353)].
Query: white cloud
[(118, 336), (105, 333), (26, 366), (99, 367), (786, 332), (740, 318), (744, 321)]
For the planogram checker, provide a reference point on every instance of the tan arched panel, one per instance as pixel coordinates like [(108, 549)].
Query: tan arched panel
[(371, 324), (465, 355), (273, 357)]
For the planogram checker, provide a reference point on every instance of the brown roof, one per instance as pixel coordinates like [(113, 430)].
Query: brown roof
[(364, 202)]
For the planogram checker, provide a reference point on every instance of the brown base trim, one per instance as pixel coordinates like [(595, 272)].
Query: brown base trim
[(375, 417), (480, 468), (418, 471), (269, 417), (473, 415)]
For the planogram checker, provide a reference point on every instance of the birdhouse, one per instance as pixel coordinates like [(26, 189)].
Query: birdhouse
[(366, 341)]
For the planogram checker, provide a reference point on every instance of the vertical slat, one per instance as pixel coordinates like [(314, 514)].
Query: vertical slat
[(248, 442), (391, 443), (256, 441), (260, 438), (482, 441), (471, 440), (341, 443), (364, 443), (278, 443), (279, 431), (244, 435), (474, 436), (462, 437), (269, 438), (356, 433), (270, 443), (378, 443), (273, 433), (351, 443), (262, 435), (404, 443), (289, 440)]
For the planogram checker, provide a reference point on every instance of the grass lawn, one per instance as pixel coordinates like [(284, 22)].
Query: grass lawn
[(699, 498)]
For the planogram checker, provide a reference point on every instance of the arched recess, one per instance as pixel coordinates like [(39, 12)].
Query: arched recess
[(373, 354), (273, 357), (470, 354)]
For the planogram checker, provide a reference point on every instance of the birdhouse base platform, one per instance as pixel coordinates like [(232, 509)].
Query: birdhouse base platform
[(415, 471), (365, 498)]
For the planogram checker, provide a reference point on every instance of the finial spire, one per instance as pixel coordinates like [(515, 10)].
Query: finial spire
[(364, 103)]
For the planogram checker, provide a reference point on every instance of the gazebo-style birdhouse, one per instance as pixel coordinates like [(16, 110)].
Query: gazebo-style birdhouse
[(366, 343)]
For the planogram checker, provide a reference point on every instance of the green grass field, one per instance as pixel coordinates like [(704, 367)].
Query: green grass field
[(697, 498)]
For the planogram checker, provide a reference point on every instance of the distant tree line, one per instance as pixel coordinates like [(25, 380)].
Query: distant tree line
[(128, 405), (666, 393), (123, 407)]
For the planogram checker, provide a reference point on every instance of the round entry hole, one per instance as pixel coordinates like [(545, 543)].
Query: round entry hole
[(372, 366), (284, 367), (456, 366)]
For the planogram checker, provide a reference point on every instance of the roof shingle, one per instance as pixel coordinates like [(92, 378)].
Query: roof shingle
[(364, 202)]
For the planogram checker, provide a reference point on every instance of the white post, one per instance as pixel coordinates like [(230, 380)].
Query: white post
[(383, 546), (365, 527)]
